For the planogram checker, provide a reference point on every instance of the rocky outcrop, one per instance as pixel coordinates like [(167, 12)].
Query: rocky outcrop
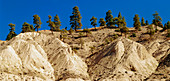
[(159, 49), (41, 57), (123, 60)]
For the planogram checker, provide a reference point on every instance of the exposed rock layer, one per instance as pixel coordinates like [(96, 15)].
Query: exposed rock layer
[(41, 56), (37, 56)]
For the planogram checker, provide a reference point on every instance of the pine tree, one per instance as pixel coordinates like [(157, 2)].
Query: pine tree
[(32, 27), (75, 19), (12, 33), (37, 22), (124, 21), (165, 27), (168, 33), (137, 23), (57, 22), (151, 30), (143, 22), (26, 27), (146, 22), (157, 20), (102, 22), (109, 19), (120, 21), (93, 21), (124, 30), (168, 25), (51, 24), (120, 16)]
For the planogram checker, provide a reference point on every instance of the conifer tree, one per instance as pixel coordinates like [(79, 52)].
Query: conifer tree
[(120, 21), (157, 20), (102, 22), (57, 22), (124, 30), (168, 25), (51, 24), (146, 22), (75, 19), (143, 22), (109, 19), (151, 31), (124, 21), (165, 27), (137, 23), (37, 22), (32, 27), (120, 16), (26, 27), (93, 21), (12, 33)]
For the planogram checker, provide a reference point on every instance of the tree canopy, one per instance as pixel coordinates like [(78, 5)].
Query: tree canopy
[(51, 24), (137, 23), (146, 22), (75, 19), (151, 30), (157, 19), (37, 22), (12, 33), (26, 27), (57, 22), (93, 21), (124, 30), (143, 22), (102, 22), (109, 18)]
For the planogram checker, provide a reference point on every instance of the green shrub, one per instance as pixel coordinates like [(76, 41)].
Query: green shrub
[(133, 35)]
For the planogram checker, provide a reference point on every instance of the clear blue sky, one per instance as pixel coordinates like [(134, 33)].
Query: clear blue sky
[(20, 11)]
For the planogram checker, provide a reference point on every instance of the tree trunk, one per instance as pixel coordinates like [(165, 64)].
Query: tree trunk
[(37, 29)]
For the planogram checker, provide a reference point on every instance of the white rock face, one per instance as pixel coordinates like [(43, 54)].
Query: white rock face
[(40, 57), (159, 49), (123, 60)]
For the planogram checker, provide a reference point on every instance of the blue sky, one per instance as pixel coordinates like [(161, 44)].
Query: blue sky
[(20, 11)]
